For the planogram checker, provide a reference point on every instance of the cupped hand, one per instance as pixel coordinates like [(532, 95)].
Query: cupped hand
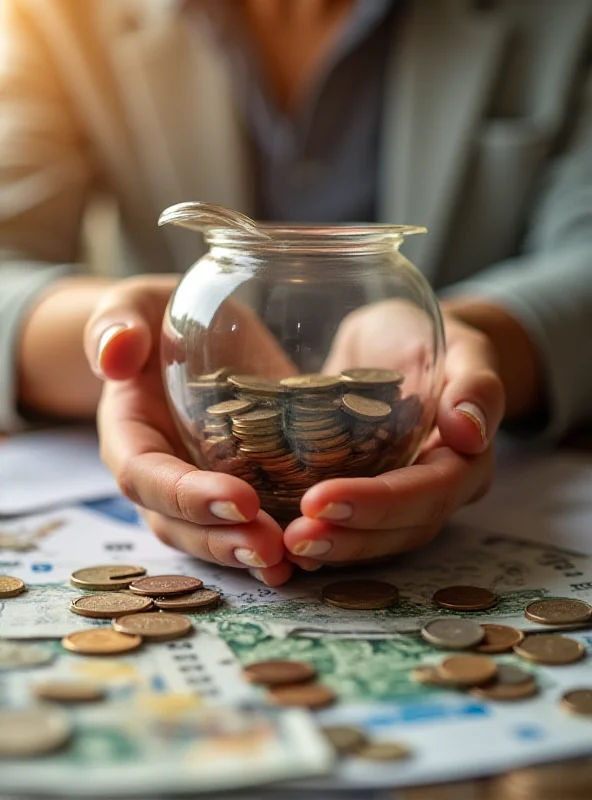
[(211, 516)]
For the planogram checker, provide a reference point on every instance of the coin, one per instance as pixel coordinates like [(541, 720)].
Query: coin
[(429, 676), (311, 382), (112, 604), (279, 672), (550, 649), (259, 416), (465, 598), (165, 585), (30, 732), (510, 675), (100, 642), (558, 611), (452, 633), (500, 690), (304, 695), (578, 701), (467, 670), (15, 655), (371, 377), (202, 598), (383, 751), (360, 594), (254, 384), (228, 407), (344, 738), (108, 577), (69, 691), (499, 638), (365, 408), (10, 587), (158, 627)]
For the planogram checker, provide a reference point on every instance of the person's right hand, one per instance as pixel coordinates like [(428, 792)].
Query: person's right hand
[(210, 515)]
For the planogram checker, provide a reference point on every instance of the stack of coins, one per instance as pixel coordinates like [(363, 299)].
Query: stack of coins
[(284, 436)]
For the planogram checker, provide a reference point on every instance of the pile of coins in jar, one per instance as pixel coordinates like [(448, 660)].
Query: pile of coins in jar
[(284, 436)]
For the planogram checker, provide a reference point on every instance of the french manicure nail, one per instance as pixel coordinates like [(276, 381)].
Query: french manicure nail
[(477, 417), (257, 574), (248, 557), (315, 547), (225, 509), (106, 337), (336, 511)]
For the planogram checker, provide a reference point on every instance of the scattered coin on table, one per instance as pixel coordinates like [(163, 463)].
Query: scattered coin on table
[(550, 649), (578, 701), (100, 642), (383, 751), (360, 594), (159, 627), (559, 611), (33, 731), (69, 691), (510, 684), (345, 739), (465, 598), (111, 604), (10, 587), (499, 639), (302, 695), (109, 577), (452, 633), (21, 655), (200, 599), (469, 670), (429, 676), (165, 585), (279, 672)]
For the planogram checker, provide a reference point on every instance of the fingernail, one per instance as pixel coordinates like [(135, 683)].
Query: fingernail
[(336, 511), (249, 557), (310, 567), (477, 417), (257, 574), (314, 547), (224, 509), (106, 337)]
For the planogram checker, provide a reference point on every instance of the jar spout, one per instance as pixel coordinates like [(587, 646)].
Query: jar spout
[(202, 217)]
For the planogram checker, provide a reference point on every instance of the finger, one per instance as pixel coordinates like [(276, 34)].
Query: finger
[(331, 544), (258, 544), (472, 404), (274, 576), (307, 564), (426, 493)]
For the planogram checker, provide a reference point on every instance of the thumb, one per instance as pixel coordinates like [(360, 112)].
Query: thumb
[(117, 343)]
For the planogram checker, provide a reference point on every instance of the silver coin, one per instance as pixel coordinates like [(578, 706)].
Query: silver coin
[(452, 633), (26, 732), (14, 655)]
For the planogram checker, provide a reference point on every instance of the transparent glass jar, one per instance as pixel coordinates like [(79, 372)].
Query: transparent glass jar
[(294, 354)]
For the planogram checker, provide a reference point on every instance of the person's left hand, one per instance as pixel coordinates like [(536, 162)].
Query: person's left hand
[(366, 519)]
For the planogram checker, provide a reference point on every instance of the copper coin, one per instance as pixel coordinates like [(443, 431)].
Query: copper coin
[(365, 408), (165, 585), (465, 598), (345, 739), (383, 751), (368, 378), (360, 594), (506, 691), (578, 701), (227, 407), (452, 633), (279, 673), (550, 649), (202, 598), (109, 577), (558, 611), (108, 605), (468, 670), (158, 627), (499, 638), (304, 695), (311, 382), (100, 642), (10, 587), (69, 691)]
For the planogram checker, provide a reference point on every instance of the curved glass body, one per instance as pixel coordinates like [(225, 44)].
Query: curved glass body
[(302, 354)]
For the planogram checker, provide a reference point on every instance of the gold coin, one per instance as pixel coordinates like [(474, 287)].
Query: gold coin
[(550, 649), (578, 701), (499, 639), (558, 611), (28, 732), (108, 578), (369, 378), (344, 738), (467, 670), (465, 598), (265, 387), (365, 408), (383, 751), (325, 459), (228, 407), (100, 642), (360, 594), (69, 691), (158, 627), (165, 585), (202, 598), (112, 604), (303, 695), (10, 587), (311, 382), (277, 672), (452, 633)]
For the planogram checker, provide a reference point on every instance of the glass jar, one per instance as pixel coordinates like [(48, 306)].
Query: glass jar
[(294, 354)]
